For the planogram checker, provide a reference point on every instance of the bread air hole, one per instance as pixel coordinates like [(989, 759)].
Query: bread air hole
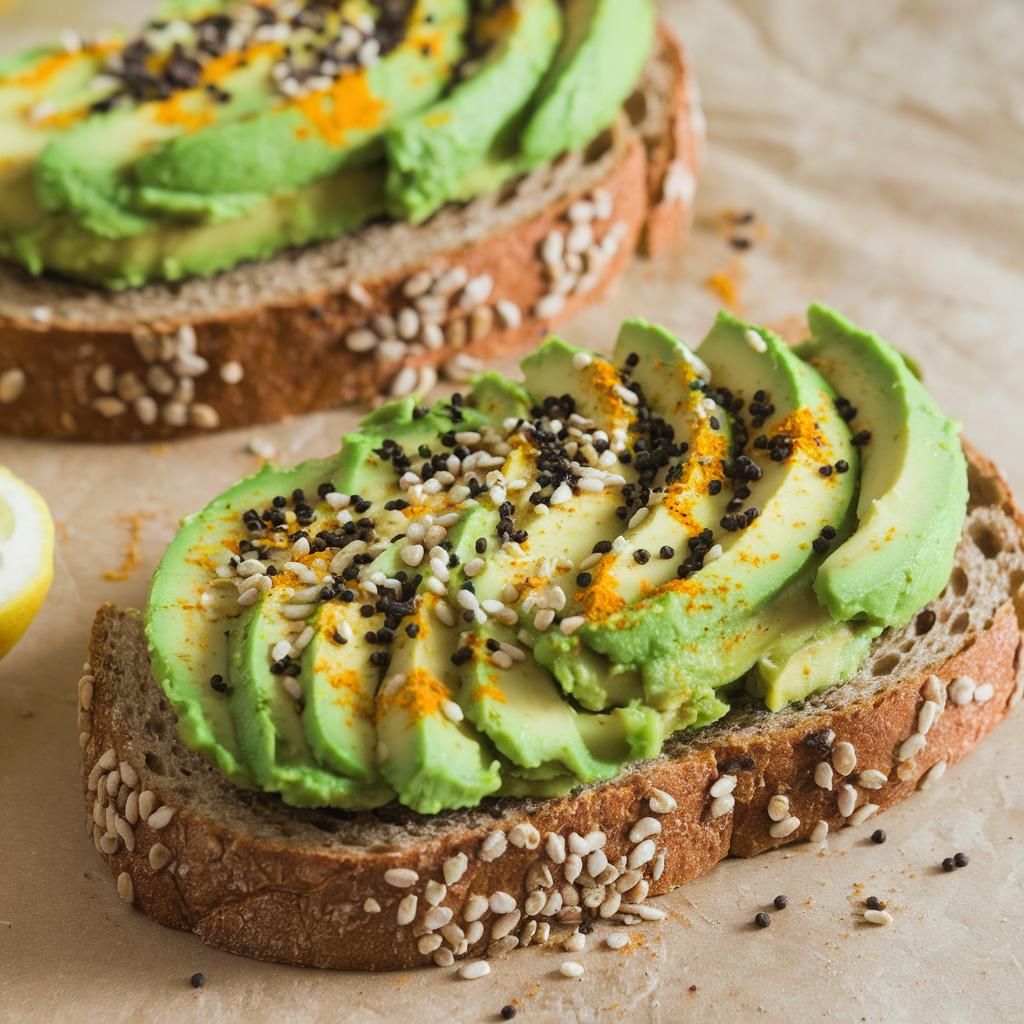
[(924, 622), (886, 665), (958, 582), (987, 542), (960, 624), (154, 763), (636, 108)]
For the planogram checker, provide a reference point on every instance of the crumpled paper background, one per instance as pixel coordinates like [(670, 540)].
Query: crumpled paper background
[(880, 147)]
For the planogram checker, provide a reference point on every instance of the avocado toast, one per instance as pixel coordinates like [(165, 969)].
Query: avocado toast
[(405, 185), (521, 659)]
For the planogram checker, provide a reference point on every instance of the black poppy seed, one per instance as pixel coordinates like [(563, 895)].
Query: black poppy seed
[(280, 501), (602, 547), (641, 556), (714, 487), (825, 470), (381, 659), (738, 242), (820, 545), (278, 667), (874, 903), (198, 980), (584, 579), (878, 836), (272, 570), (948, 864), (481, 545), (508, 1012), (347, 596), (339, 639), (366, 610), (842, 466), (961, 860), (666, 551), (293, 668), (828, 532), (493, 645), (862, 437), (713, 421), (217, 682), (298, 494), (762, 920), (780, 902), (462, 655), (468, 616)]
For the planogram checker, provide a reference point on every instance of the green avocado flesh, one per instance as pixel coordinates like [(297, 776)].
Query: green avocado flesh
[(520, 590), (229, 130)]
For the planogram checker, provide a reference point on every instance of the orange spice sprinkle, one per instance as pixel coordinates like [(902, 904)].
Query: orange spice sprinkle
[(422, 694), (601, 599), (488, 692), (347, 106), (176, 110), (133, 547)]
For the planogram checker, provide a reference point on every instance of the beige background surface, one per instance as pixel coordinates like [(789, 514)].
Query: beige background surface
[(881, 146)]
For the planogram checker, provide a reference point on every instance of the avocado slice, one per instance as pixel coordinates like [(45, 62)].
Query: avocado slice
[(430, 755), (187, 624), (429, 153), (604, 49), (757, 561), (913, 491)]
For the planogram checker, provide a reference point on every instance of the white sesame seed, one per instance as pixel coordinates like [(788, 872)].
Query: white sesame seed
[(616, 940), (444, 958), (927, 715), (41, 314), (872, 779), (642, 853), (475, 907), (552, 248), (934, 690), (493, 846), (961, 690), (722, 805), (454, 868), (572, 867), (878, 917), (755, 341), (643, 829), (933, 775), (428, 943), (714, 552), (475, 969), (554, 846), (862, 813), (983, 693), (823, 775), (232, 372), (391, 350), (844, 758), (407, 909), (160, 817), (661, 802), (627, 396), (820, 832), (454, 935), (404, 383), (913, 744), (401, 878), (452, 711), (571, 624), (437, 917), (778, 807), (282, 649), (125, 887), (109, 407), (359, 295), (147, 802), (571, 969), (644, 912), (159, 856), (412, 554), (525, 836), (535, 902), (371, 906), (786, 827), (417, 285), (477, 290), (509, 313), (847, 800), (549, 306)]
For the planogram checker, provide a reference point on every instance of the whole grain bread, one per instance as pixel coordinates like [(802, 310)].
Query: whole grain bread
[(304, 331), (393, 889)]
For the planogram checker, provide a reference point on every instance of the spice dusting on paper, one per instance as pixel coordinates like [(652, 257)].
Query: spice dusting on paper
[(133, 546)]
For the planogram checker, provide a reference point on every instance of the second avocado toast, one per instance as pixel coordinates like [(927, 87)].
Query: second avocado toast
[(640, 581)]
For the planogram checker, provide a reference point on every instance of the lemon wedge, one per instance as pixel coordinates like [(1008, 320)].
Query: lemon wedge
[(26, 557)]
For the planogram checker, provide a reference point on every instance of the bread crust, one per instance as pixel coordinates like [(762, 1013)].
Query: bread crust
[(267, 897), (89, 381)]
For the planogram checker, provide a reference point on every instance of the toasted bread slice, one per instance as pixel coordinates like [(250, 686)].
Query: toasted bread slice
[(327, 889), (303, 331)]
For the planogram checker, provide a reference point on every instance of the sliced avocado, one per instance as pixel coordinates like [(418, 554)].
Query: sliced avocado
[(186, 625), (603, 51), (913, 490), (583, 674), (499, 398), (268, 723), (430, 152), (759, 560), (431, 757)]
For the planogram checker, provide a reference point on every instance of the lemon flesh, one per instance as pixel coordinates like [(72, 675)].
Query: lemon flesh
[(26, 557)]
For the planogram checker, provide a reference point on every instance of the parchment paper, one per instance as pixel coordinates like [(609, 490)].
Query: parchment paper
[(880, 146)]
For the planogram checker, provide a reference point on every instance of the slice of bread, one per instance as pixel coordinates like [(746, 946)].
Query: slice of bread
[(303, 331), (320, 888)]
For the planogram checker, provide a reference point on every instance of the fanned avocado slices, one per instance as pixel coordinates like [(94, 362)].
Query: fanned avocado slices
[(520, 590)]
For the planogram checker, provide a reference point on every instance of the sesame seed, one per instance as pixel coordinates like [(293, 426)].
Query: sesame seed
[(823, 775), (643, 829), (407, 910), (371, 906), (755, 340), (571, 969), (862, 813), (125, 887), (778, 807), (983, 693), (844, 758), (160, 817), (872, 779), (661, 802), (847, 800), (933, 775), (475, 969), (549, 306), (878, 836), (762, 920), (881, 917), (493, 846), (722, 805), (401, 878), (820, 832)]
